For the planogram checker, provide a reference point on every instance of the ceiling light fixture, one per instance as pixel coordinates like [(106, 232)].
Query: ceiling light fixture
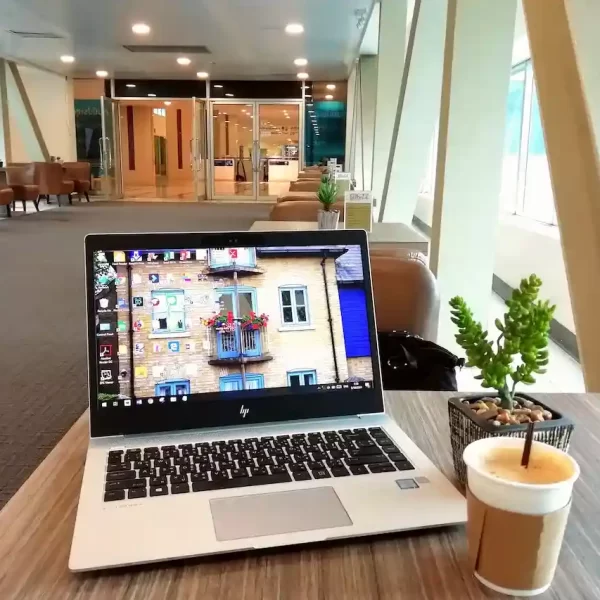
[(329, 97), (217, 85), (202, 75), (330, 86), (130, 85), (167, 103), (184, 61), (302, 75), (229, 95), (67, 58), (300, 62), (102, 73), (152, 95), (294, 28), (140, 29), (308, 95)]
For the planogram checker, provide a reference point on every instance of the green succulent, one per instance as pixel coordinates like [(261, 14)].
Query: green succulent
[(324, 178), (524, 332), (327, 194)]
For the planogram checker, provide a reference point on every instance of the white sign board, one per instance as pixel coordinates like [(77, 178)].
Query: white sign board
[(358, 210), (339, 176)]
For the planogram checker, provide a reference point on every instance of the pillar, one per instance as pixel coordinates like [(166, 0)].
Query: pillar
[(556, 45), (364, 129), (476, 72), (419, 116), (390, 62), (5, 140), (350, 120)]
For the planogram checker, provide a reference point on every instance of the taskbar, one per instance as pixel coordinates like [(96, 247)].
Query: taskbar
[(125, 402)]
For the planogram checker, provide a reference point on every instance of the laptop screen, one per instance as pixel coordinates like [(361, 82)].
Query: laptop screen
[(186, 325)]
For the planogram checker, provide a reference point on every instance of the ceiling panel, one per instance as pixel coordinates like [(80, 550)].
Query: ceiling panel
[(245, 38)]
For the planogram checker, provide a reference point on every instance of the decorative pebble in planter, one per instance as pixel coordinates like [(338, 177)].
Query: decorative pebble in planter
[(480, 416)]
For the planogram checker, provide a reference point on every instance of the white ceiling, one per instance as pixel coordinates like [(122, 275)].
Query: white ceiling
[(245, 37)]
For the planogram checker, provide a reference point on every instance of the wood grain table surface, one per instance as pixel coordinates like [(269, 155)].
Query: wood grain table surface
[(37, 524)]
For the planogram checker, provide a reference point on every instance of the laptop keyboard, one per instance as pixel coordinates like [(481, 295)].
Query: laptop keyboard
[(206, 466)]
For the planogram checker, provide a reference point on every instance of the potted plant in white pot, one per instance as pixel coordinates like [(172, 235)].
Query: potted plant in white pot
[(327, 194), (520, 351)]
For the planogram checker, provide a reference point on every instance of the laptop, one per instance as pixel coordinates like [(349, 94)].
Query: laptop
[(236, 400)]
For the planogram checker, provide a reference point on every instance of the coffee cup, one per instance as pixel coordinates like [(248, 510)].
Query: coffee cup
[(517, 515)]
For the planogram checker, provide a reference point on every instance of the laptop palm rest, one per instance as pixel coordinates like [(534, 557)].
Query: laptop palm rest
[(277, 513)]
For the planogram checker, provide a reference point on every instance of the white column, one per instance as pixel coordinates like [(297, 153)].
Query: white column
[(477, 67), (365, 121), (392, 47), (5, 143), (584, 16), (350, 120), (420, 113)]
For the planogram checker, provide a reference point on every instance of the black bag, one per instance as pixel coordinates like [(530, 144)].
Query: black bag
[(408, 362)]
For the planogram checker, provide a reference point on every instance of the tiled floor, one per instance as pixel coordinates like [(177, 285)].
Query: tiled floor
[(18, 211), (564, 373)]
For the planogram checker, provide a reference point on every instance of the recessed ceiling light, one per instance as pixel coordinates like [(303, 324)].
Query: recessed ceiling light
[(183, 61), (67, 58), (141, 29), (217, 85), (130, 85), (302, 76), (329, 97), (202, 74), (330, 86), (102, 73), (300, 62), (167, 103), (152, 95), (294, 28), (229, 95), (308, 95)]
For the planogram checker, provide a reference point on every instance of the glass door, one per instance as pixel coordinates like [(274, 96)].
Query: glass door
[(199, 148), (233, 150), (110, 161), (279, 143), (255, 148)]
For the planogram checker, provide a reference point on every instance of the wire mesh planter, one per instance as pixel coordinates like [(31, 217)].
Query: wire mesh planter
[(466, 427)]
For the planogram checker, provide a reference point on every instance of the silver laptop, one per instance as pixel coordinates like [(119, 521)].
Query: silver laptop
[(236, 400)]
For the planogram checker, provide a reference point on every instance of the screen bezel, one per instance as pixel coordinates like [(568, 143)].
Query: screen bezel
[(226, 412)]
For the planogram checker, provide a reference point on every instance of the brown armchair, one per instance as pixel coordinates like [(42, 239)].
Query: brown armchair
[(81, 175), (6, 193), (22, 181), (405, 293), (53, 182), (300, 210), (305, 185)]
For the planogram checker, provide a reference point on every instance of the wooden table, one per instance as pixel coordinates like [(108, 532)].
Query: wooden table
[(37, 524), (384, 235)]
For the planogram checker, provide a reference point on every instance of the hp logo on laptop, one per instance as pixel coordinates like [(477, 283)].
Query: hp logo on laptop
[(244, 411)]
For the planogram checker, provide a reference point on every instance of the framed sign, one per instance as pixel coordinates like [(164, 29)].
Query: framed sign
[(358, 210)]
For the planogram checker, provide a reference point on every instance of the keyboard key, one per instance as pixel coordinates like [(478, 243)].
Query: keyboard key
[(335, 464), (337, 454), (205, 486), (375, 430), (404, 466), (164, 471), (147, 472), (396, 456), (302, 476), (142, 464), (315, 466), (321, 474), (319, 456), (382, 468), (137, 493), (120, 476), (340, 472), (111, 486), (199, 477), (298, 468), (277, 470), (360, 430), (115, 495), (180, 488), (185, 447), (359, 470), (258, 471), (115, 454), (283, 437), (185, 469), (179, 478), (236, 473), (116, 467), (366, 460), (158, 481), (136, 483), (162, 462), (389, 448), (159, 490), (370, 451)]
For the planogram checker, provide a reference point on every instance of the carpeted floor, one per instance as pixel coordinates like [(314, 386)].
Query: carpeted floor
[(42, 315)]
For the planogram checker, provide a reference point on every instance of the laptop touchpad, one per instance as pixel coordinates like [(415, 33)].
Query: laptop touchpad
[(279, 512)]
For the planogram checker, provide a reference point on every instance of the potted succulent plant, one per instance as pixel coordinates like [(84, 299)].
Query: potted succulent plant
[(327, 194), (520, 351)]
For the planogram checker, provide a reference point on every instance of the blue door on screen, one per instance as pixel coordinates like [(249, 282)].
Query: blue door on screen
[(353, 305), (231, 383), (175, 387)]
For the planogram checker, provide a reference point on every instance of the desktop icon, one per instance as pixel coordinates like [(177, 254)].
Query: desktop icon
[(152, 256), (138, 301), (367, 384), (136, 279), (122, 303), (173, 346), (104, 326), (122, 350), (115, 403), (161, 399), (150, 400), (136, 256), (105, 350), (122, 326), (154, 278), (104, 405), (103, 302), (141, 371), (138, 325), (121, 280), (127, 403), (157, 347), (100, 256), (106, 376), (201, 254), (173, 398), (185, 255), (139, 348), (119, 256), (139, 401), (184, 398), (167, 256)]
